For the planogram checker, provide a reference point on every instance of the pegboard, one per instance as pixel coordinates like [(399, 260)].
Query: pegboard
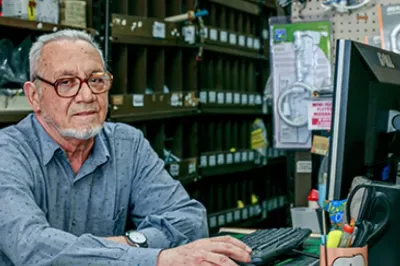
[(351, 26)]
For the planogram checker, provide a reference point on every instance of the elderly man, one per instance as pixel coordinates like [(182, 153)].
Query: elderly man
[(69, 181)]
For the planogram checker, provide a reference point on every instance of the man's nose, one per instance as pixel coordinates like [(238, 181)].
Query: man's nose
[(85, 93)]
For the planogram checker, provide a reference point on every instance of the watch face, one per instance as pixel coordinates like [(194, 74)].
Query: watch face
[(137, 237)]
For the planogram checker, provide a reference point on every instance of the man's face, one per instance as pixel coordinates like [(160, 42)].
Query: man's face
[(81, 116)]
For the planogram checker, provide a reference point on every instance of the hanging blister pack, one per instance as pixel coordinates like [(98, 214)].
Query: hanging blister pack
[(300, 66)]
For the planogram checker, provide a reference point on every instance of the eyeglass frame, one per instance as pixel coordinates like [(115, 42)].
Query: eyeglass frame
[(81, 81)]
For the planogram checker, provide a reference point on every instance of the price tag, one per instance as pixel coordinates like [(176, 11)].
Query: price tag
[(236, 98), (251, 156), (213, 221), (212, 160), (256, 44), (249, 42), (237, 157), (192, 168), (258, 99), (204, 32), (265, 34), (223, 35), (257, 159), (203, 161), (175, 100), (159, 30), (203, 97), (276, 153), (137, 100), (244, 156), (236, 215), (212, 96), (220, 159), (244, 99), (229, 97), (251, 211), (221, 220), (242, 40), (229, 158), (229, 217), (189, 32), (232, 38), (220, 98), (174, 169), (213, 34), (245, 213), (252, 99)]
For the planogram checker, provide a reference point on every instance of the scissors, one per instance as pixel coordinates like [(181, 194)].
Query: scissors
[(367, 228)]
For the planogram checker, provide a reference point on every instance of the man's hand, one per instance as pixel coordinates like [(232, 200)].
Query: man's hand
[(214, 251)]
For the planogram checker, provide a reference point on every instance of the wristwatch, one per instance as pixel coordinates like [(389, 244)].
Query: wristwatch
[(136, 238)]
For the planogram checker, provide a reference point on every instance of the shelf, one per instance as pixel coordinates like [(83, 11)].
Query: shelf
[(231, 110), (225, 162), (238, 215), (233, 51), (9, 117), (223, 102), (127, 39), (266, 3), (37, 25), (140, 107), (240, 5), (151, 31), (185, 171)]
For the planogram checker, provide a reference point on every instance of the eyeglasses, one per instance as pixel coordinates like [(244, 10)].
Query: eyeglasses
[(98, 82)]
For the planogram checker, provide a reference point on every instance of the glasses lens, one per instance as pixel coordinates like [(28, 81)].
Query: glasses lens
[(67, 86), (100, 82)]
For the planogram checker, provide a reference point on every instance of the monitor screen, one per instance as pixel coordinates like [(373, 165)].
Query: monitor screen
[(366, 116)]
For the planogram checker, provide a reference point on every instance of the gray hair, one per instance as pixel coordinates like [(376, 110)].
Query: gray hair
[(71, 35)]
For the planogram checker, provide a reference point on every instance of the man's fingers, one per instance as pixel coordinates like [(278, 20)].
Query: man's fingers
[(218, 259), (231, 240), (230, 250)]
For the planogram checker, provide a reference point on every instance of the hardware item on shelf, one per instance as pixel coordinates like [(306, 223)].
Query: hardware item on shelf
[(259, 139), (300, 65), (169, 157), (43, 10), (344, 6), (73, 13), (389, 26), (190, 15), (14, 63)]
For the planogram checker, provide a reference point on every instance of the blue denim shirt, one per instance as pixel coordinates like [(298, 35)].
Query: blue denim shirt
[(51, 216)]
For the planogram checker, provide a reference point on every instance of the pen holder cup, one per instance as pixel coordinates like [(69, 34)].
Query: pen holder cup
[(344, 256)]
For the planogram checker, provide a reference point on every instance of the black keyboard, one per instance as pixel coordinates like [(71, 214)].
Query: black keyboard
[(268, 244)]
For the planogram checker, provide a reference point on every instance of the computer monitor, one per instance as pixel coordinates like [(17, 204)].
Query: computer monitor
[(366, 106), (366, 134)]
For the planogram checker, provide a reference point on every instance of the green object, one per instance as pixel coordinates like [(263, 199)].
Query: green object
[(285, 33)]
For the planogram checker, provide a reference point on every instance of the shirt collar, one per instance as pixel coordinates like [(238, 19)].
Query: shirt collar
[(100, 153)]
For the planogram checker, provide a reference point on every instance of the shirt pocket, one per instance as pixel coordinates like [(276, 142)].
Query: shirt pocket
[(104, 226)]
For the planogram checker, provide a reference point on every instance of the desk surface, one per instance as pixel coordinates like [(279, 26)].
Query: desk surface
[(310, 246)]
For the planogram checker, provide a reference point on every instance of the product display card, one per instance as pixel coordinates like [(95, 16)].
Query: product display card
[(301, 57), (389, 26)]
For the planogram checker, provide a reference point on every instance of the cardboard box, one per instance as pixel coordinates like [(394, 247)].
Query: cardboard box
[(73, 13), (39, 10)]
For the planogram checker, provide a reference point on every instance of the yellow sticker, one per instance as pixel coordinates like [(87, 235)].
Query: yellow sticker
[(320, 145), (32, 10)]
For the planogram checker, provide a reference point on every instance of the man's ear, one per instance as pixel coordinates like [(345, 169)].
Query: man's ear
[(32, 95)]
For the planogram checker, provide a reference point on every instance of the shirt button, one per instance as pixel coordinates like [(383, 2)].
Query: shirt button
[(73, 222)]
